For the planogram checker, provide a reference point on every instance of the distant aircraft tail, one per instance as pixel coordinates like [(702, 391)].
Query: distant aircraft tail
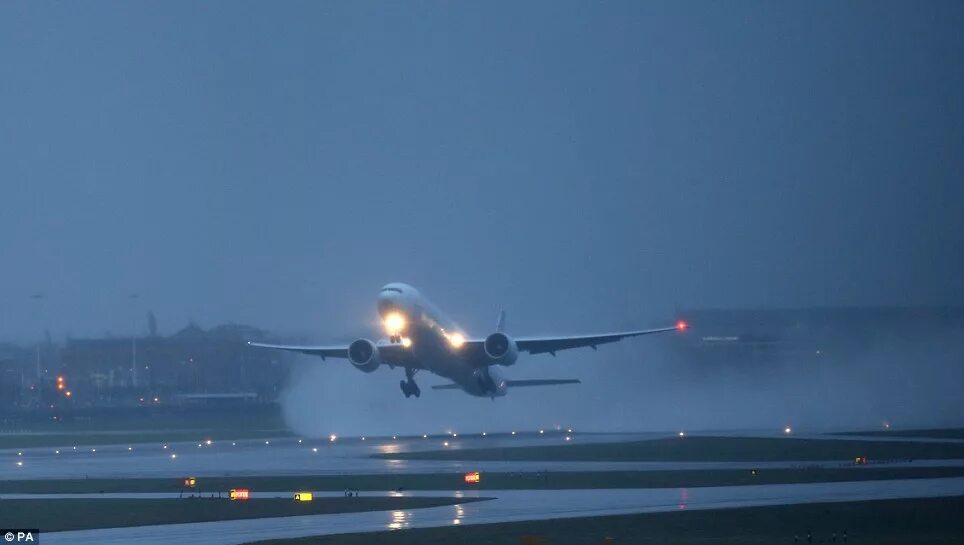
[(500, 325)]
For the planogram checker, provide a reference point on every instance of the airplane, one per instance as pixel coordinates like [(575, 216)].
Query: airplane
[(421, 338)]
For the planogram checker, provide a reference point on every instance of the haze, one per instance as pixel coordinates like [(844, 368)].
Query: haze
[(586, 166)]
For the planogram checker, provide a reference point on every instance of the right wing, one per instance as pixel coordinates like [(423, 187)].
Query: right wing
[(541, 345)]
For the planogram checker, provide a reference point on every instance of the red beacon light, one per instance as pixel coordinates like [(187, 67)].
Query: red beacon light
[(682, 326)]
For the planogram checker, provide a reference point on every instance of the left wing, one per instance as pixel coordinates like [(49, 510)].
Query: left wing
[(392, 354), (322, 351), (541, 345)]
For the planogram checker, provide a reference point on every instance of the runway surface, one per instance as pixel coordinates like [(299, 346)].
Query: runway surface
[(288, 456), (515, 505)]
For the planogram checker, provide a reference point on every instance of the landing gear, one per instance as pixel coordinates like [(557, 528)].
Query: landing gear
[(409, 388)]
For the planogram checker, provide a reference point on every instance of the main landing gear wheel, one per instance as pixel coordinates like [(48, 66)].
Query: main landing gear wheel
[(409, 388)]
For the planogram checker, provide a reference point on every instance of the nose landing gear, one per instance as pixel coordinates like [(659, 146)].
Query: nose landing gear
[(409, 388)]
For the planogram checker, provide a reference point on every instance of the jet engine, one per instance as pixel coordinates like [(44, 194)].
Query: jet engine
[(363, 354), (501, 349)]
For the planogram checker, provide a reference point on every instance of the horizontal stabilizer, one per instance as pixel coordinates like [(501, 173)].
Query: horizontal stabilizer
[(541, 382), (446, 387)]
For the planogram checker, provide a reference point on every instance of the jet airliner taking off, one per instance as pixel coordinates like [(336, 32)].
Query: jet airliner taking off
[(420, 338)]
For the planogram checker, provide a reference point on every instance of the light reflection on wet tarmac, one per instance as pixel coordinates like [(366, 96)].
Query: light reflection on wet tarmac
[(517, 505)]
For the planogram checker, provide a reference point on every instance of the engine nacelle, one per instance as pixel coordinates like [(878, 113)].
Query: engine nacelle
[(363, 354), (501, 349)]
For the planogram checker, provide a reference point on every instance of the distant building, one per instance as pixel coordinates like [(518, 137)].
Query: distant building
[(191, 361)]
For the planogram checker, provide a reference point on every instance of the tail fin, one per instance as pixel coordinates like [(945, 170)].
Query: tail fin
[(500, 325)]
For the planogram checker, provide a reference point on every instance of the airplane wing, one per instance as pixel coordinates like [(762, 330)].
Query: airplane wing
[(542, 345), (541, 382), (322, 351), (518, 383), (392, 354)]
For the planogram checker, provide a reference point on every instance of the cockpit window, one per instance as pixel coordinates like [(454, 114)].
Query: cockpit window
[(391, 289)]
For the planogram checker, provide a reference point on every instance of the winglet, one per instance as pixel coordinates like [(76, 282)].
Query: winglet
[(500, 325)]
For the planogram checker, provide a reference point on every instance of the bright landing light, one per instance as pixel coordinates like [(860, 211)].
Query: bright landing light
[(394, 323), (456, 339), (406, 342)]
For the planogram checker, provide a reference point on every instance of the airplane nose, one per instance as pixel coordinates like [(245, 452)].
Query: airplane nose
[(388, 301)]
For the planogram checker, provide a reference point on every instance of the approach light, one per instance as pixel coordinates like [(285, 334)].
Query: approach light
[(787, 430), (60, 379), (173, 456), (207, 442), (681, 325), (332, 437), (19, 464), (67, 393), (406, 342), (314, 449), (394, 323), (60, 385), (682, 434), (568, 438), (239, 494), (445, 444)]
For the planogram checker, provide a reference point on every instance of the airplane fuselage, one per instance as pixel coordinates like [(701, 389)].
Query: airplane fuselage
[(435, 342)]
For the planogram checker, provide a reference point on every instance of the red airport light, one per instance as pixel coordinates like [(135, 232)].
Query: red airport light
[(681, 325), (239, 494), (473, 477)]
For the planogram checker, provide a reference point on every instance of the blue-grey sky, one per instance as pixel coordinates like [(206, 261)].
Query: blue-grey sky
[(587, 165)]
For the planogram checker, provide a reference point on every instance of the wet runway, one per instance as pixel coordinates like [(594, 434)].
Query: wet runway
[(516, 505), (288, 456)]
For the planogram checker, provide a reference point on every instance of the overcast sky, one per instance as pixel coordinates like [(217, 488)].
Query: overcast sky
[(585, 165)]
